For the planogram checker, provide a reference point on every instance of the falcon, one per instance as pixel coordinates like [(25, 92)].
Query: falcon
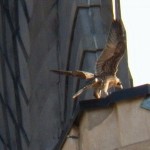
[(106, 67)]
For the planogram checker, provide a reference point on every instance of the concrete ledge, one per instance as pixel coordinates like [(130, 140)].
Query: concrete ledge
[(113, 122), (126, 124)]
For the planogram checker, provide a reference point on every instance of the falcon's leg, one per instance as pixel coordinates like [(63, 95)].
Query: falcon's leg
[(97, 93), (106, 86), (82, 90)]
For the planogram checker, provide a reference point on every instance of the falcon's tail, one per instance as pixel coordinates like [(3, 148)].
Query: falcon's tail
[(82, 90), (75, 73), (62, 72)]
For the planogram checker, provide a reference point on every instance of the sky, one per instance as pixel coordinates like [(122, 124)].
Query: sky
[(136, 18)]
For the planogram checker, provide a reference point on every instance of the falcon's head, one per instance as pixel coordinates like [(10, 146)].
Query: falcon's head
[(115, 82), (118, 84)]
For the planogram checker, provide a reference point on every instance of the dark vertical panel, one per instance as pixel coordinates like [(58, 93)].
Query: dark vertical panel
[(3, 72), (10, 72), (17, 76), (3, 137)]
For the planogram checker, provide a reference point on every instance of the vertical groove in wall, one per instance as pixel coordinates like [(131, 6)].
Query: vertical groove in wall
[(24, 6), (4, 80), (17, 76)]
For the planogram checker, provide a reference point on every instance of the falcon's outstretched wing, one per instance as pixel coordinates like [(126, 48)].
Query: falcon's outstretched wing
[(76, 73), (114, 50)]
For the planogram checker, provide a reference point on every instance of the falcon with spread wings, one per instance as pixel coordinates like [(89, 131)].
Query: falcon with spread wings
[(106, 65)]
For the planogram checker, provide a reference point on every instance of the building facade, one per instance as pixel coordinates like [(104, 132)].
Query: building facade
[(35, 37)]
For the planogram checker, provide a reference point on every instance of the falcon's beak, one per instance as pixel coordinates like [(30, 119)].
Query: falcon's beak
[(121, 87)]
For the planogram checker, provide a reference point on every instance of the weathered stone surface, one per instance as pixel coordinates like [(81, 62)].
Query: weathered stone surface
[(72, 140), (102, 135), (126, 127)]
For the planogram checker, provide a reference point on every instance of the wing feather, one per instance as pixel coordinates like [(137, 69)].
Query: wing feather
[(76, 73), (114, 50)]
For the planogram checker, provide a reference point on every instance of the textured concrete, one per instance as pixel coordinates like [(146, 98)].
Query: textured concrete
[(72, 141), (125, 127)]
